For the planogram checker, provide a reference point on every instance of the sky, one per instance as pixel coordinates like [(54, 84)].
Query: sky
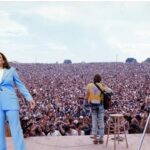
[(51, 31)]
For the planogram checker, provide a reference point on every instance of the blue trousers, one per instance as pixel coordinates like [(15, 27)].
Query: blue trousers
[(15, 128), (98, 121)]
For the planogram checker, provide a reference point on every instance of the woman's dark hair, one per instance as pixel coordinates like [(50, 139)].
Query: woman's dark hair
[(97, 78), (6, 64)]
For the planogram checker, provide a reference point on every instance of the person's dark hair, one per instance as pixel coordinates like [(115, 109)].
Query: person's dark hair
[(67, 128), (97, 78), (6, 64)]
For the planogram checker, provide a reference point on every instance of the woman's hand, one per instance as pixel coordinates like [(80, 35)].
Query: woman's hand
[(32, 104)]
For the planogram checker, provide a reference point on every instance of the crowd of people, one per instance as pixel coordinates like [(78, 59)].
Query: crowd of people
[(59, 92)]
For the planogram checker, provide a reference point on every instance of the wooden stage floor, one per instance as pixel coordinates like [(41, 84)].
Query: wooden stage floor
[(81, 143)]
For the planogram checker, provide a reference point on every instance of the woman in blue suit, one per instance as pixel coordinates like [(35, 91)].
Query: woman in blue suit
[(9, 104)]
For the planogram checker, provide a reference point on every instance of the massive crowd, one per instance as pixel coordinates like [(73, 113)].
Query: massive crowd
[(61, 105)]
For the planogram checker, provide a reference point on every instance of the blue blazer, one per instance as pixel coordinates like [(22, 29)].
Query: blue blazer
[(8, 97)]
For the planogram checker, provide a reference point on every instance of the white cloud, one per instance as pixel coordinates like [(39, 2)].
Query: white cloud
[(55, 13), (57, 47), (10, 28), (122, 27), (139, 50), (129, 38)]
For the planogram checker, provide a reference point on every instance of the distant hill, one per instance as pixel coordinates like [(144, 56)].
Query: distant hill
[(147, 60), (67, 61), (131, 60)]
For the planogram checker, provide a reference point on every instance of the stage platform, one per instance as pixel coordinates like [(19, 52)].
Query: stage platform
[(80, 143)]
